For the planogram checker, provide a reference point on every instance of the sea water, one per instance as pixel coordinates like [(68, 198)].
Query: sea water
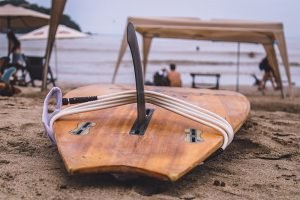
[(92, 59)]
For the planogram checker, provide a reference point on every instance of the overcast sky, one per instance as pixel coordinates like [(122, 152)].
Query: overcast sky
[(110, 16)]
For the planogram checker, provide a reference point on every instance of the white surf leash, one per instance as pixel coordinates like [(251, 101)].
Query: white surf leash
[(170, 103)]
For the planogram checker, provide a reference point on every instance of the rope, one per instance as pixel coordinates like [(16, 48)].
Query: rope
[(170, 103)]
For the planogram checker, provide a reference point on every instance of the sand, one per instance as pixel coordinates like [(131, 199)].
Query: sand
[(261, 163)]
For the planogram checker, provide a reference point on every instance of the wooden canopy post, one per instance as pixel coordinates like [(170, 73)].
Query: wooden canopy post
[(238, 68), (56, 14)]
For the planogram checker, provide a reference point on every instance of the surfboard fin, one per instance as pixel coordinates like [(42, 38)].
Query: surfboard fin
[(143, 115)]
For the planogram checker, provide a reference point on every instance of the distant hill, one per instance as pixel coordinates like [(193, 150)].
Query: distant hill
[(66, 19)]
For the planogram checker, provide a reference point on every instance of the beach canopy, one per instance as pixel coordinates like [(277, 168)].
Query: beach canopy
[(18, 18), (63, 32), (265, 33)]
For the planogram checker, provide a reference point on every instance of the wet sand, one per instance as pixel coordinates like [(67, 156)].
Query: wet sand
[(261, 163)]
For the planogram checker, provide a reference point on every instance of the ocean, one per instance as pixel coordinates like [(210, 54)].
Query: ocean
[(92, 60)]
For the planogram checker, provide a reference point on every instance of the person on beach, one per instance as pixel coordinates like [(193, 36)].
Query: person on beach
[(5, 89), (18, 59), (160, 78), (268, 75), (4, 63), (174, 76)]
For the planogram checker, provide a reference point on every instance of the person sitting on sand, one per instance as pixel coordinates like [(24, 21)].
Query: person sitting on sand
[(268, 74), (174, 77), (160, 78), (5, 89), (4, 64)]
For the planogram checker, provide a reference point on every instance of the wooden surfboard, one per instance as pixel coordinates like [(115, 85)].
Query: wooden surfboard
[(163, 152)]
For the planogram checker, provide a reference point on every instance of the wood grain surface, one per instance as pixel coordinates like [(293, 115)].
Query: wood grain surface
[(162, 152)]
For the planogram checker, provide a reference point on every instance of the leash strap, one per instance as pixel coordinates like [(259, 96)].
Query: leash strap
[(46, 117)]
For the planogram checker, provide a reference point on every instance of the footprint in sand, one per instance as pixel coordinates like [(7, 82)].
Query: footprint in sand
[(7, 176), (23, 147), (4, 162), (28, 126)]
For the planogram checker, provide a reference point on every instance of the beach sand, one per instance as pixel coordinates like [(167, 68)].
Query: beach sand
[(261, 163)]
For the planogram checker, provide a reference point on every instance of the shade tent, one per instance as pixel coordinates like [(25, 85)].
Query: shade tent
[(264, 33), (18, 18), (63, 32)]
